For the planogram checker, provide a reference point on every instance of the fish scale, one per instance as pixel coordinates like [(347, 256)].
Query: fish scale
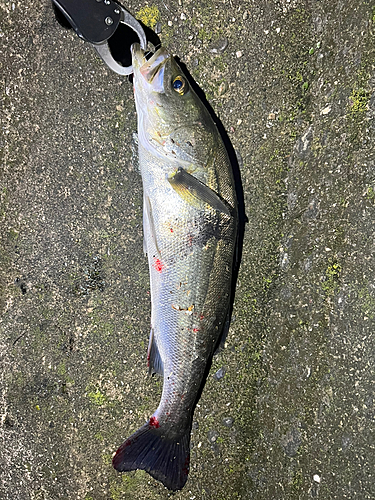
[(190, 228)]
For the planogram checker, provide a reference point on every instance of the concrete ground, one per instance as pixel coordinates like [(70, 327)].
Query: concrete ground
[(293, 416)]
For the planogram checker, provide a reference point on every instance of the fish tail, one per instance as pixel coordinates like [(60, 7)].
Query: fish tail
[(155, 450)]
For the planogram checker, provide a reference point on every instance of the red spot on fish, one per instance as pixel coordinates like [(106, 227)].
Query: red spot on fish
[(201, 317), (154, 422), (148, 360), (158, 265), (195, 330), (171, 230)]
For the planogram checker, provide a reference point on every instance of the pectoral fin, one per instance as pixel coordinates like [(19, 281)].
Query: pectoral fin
[(195, 192)]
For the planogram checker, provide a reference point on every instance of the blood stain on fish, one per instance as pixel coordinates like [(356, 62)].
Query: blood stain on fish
[(158, 265), (154, 422)]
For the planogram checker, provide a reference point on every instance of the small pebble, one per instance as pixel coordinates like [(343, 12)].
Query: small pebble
[(223, 87), (183, 16), (316, 478), (220, 373), (219, 45), (239, 53), (228, 421), (158, 28), (170, 23), (272, 116), (212, 436), (326, 110)]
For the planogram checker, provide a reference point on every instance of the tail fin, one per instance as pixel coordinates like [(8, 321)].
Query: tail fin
[(164, 457)]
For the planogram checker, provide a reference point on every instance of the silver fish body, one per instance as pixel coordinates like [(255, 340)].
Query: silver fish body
[(190, 228)]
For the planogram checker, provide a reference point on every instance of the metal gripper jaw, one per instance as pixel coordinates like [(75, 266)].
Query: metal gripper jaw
[(96, 21)]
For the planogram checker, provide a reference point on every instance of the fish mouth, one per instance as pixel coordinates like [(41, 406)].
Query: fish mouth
[(150, 71)]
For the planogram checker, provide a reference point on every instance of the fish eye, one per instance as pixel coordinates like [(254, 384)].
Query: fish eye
[(179, 85)]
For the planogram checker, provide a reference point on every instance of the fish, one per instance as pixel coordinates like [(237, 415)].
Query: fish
[(190, 221)]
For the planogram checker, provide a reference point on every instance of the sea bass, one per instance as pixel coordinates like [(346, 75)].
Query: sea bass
[(190, 228)]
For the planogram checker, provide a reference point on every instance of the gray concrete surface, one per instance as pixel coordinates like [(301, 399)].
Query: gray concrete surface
[(293, 416)]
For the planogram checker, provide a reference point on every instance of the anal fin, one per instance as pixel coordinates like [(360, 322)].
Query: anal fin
[(154, 361)]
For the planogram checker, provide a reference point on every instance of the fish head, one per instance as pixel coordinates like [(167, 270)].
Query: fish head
[(172, 120)]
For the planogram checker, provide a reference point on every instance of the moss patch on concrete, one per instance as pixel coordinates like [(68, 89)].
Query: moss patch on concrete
[(149, 15)]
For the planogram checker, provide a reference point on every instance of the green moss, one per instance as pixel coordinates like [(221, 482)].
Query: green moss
[(370, 194), (332, 276), (107, 458), (97, 397), (358, 104), (297, 481), (358, 101), (99, 436), (149, 15), (366, 302), (167, 34), (61, 369), (203, 34), (130, 483)]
